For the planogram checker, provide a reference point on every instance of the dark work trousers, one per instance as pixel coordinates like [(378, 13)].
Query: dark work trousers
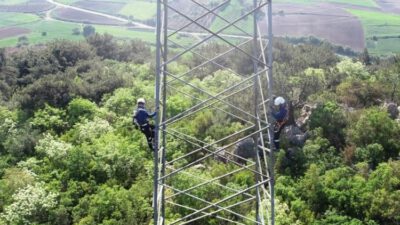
[(148, 131), (277, 133)]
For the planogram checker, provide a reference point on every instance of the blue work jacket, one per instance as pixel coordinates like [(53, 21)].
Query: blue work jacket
[(141, 116), (280, 114)]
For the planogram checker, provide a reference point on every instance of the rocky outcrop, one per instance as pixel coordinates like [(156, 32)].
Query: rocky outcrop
[(392, 109), (244, 149), (292, 135), (305, 114)]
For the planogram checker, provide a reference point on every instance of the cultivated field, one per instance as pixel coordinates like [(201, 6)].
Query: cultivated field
[(189, 8), (374, 24), (12, 2), (72, 15), (12, 31), (233, 12), (8, 19), (382, 30), (365, 3), (392, 6), (139, 10), (100, 6), (32, 6), (324, 21)]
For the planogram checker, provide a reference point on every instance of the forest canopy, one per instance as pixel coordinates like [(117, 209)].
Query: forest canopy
[(69, 153)]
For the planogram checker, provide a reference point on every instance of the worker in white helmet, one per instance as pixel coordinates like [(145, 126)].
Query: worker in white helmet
[(141, 121), (281, 118)]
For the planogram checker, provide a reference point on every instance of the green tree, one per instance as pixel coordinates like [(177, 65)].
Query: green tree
[(375, 126), (372, 153), (50, 119), (318, 150), (31, 204), (122, 102), (79, 109), (3, 58), (383, 190), (88, 30), (104, 44), (330, 117)]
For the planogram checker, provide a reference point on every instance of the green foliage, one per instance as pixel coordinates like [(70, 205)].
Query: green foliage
[(330, 118), (55, 91), (318, 150), (112, 205), (291, 162), (108, 48), (384, 186), (355, 70), (307, 83), (87, 131), (360, 93), (79, 109), (50, 119), (121, 102), (88, 30), (389, 76), (69, 53), (31, 205), (13, 180), (20, 142), (53, 149), (7, 125), (375, 126), (372, 153), (67, 139), (334, 218)]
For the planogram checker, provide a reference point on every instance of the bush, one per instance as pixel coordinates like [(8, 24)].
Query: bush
[(375, 126), (88, 31), (330, 117), (50, 119), (121, 102), (79, 109)]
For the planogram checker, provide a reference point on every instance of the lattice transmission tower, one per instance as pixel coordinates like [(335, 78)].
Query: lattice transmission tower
[(231, 42)]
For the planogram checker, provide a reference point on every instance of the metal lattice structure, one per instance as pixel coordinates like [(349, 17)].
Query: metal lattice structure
[(241, 100)]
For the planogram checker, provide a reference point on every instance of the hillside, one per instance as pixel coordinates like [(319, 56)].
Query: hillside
[(357, 24), (69, 153)]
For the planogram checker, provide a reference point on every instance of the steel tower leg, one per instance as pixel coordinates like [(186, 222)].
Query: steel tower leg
[(185, 30)]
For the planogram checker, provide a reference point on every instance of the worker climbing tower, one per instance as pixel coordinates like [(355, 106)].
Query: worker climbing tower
[(228, 87)]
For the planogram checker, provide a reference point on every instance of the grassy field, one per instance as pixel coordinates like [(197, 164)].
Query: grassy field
[(139, 10), (44, 31), (381, 29), (366, 3), (231, 13), (52, 29), (12, 19), (378, 28)]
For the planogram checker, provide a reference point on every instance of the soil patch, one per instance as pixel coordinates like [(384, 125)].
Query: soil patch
[(12, 31), (34, 6), (72, 15), (100, 6), (324, 21)]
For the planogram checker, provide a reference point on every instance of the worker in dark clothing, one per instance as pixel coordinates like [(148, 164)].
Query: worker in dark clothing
[(140, 120), (280, 117)]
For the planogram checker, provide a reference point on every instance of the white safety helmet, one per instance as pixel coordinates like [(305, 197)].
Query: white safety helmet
[(279, 101), (141, 100)]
